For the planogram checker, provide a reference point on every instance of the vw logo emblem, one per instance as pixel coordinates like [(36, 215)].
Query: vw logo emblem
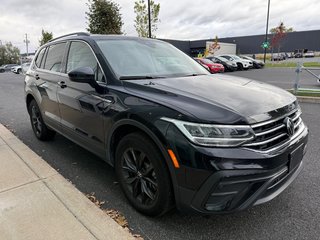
[(288, 122)]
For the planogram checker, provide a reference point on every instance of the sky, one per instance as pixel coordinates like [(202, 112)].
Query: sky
[(179, 19)]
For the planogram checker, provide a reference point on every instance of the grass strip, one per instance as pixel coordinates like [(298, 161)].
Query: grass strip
[(306, 93), (291, 64)]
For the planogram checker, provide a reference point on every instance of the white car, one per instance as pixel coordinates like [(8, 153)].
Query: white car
[(309, 54), (241, 63), (16, 69)]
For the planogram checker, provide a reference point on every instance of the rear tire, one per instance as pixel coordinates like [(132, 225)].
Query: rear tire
[(143, 175), (39, 128)]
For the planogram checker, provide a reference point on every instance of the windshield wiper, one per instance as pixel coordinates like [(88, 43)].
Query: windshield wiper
[(139, 77), (194, 74)]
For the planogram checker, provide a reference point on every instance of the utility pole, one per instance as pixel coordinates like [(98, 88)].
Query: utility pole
[(149, 18), (266, 40), (26, 41)]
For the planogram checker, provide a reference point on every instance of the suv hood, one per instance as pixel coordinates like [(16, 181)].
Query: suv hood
[(215, 98)]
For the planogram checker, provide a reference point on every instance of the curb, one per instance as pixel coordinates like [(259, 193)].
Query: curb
[(84, 219), (308, 99)]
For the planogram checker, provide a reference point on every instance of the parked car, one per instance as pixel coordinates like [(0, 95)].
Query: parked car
[(241, 63), (289, 55), (16, 69), (278, 56), (229, 66), (309, 54), (256, 62), (173, 135), (6, 67), (299, 53), (205, 66), (213, 67)]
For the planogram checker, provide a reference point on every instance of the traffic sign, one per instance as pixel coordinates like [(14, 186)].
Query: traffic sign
[(265, 45)]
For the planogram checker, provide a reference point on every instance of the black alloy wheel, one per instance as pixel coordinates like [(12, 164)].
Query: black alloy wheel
[(140, 167), (140, 176), (40, 129)]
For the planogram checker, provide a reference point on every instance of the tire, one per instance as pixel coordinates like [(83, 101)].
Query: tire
[(19, 71), (39, 128), (240, 66), (139, 167)]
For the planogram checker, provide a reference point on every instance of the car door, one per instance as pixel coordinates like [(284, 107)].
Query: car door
[(81, 106), (47, 74)]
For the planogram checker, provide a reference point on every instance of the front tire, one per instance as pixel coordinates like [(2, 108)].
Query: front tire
[(39, 128), (240, 66), (143, 175)]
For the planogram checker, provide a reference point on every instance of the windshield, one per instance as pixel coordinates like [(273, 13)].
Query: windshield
[(236, 57), (207, 61), (145, 58), (223, 59), (248, 58)]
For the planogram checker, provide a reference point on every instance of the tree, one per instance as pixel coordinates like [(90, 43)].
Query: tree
[(141, 22), (9, 54), (279, 33), (46, 37), (104, 17)]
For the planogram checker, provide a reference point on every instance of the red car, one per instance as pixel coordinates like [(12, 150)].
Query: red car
[(214, 67)]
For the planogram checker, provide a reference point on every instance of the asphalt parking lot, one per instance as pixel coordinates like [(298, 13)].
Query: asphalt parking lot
[(295, 214), (281, 77)]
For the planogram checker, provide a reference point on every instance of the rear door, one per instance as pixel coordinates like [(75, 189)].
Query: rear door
[(47, 75), (81, 107)]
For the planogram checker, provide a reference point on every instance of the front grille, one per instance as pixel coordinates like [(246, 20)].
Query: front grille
[(271, 134)]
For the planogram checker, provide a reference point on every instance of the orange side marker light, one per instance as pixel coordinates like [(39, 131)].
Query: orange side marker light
[(173, 159)]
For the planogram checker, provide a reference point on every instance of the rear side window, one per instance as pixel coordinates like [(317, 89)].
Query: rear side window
[(54, 57), (39, 57)]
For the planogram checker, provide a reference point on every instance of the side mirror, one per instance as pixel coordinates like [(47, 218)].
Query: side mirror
[(83, 75), (86, 75)]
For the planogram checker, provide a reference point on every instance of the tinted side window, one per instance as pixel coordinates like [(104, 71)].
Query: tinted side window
[(54, 57), (81, 55), (39, 57)]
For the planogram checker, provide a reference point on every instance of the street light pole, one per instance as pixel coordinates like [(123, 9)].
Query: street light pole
[(266, 39), (27, 43), (149, 18)]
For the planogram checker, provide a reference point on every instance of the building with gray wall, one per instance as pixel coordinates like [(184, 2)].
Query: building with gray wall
[(252, 44)]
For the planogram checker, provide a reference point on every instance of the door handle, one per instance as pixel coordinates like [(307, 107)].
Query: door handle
[(37, 77), (62, 84)]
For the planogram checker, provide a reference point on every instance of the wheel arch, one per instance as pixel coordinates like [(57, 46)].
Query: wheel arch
[(121, 128), (29, 98), (126, 126)]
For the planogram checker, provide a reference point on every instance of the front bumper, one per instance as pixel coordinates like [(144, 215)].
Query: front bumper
[(231, 68), (216, 180)]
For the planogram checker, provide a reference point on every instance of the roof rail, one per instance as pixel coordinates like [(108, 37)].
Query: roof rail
[(71, 34)]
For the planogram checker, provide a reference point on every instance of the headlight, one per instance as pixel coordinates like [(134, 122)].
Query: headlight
[(214, 135)]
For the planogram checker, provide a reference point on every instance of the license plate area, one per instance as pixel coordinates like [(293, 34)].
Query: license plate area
[(295, 157)]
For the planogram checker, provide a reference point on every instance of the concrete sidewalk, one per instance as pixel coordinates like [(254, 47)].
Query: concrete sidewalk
[(36, 202)]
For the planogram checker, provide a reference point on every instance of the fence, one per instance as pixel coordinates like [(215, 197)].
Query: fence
[(298, 71)]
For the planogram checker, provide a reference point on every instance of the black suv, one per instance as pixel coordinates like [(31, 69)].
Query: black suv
[(175, 134)]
